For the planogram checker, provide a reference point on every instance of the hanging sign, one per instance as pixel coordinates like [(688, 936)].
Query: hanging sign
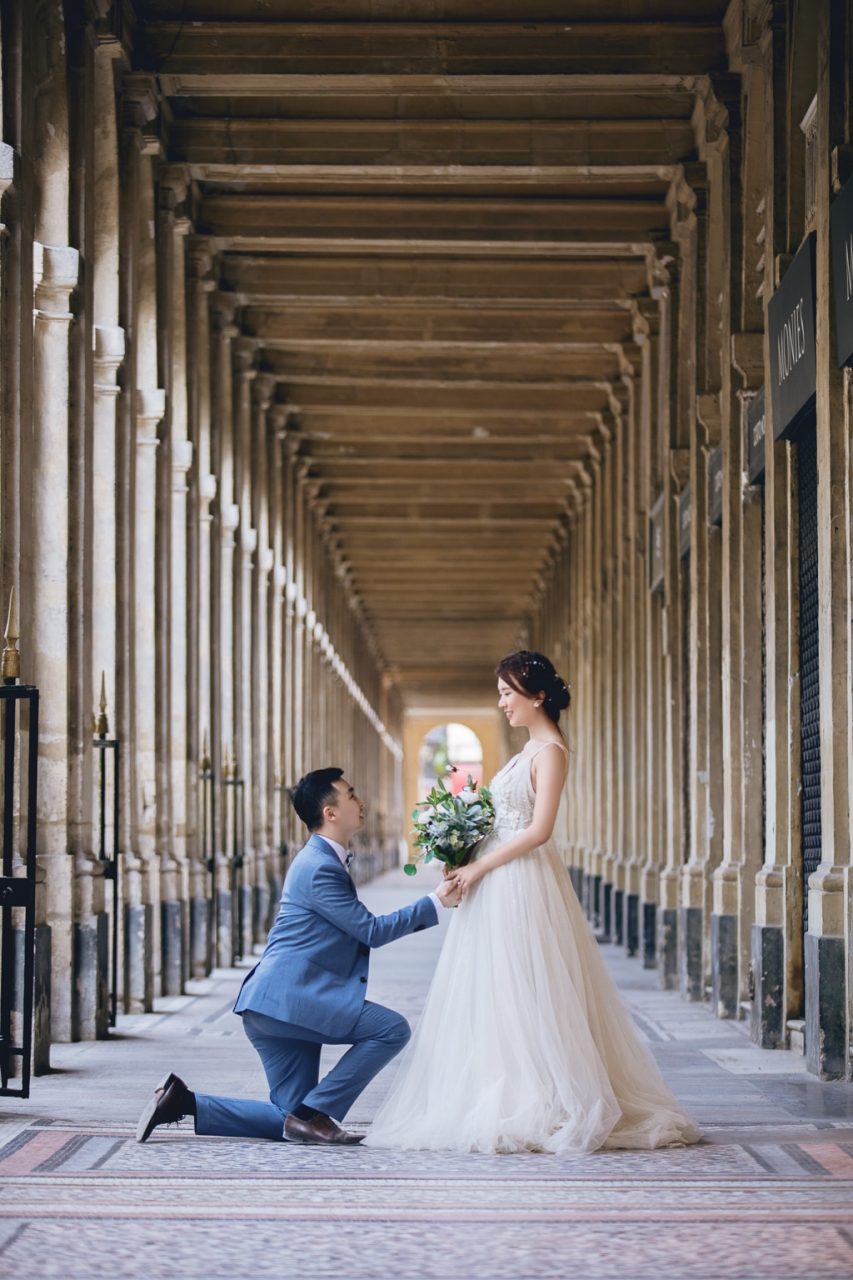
[(656, 546), (841, 251), (685, 519), (793, 354), (715, 486), (754, 442)]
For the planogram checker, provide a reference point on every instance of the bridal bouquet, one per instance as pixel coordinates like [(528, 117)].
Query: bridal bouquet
[(448, 826)]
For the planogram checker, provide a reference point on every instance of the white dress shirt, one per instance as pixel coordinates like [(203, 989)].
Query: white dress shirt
[(344, 853)]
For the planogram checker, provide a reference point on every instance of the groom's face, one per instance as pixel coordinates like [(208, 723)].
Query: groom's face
[(347, 813)]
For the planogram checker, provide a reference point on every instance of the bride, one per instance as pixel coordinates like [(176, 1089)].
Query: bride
[(524, 1043)]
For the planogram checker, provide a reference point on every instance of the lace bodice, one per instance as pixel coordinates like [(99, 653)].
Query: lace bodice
[(512, 791)]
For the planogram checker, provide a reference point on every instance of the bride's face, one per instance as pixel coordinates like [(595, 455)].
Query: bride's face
[(517, 707)]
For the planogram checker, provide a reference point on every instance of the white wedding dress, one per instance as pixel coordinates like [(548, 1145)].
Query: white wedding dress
[(524, 1043)]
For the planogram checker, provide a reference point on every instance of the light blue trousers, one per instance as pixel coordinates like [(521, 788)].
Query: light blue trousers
[(291, 1061)]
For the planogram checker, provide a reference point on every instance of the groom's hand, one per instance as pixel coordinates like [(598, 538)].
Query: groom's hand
[(448, 892)]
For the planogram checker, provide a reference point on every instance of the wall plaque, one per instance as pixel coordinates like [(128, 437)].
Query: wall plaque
[(715, 486), (685, 519), (793, 356), (656, 546), (754, 442), (841, 250)]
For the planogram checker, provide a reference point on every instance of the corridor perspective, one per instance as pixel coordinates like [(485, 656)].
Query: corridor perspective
[(345, 346)]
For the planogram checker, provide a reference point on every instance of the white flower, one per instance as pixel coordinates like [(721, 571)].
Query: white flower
[(468, 796)]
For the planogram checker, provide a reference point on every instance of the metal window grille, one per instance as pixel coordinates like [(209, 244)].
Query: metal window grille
[(809, 660)]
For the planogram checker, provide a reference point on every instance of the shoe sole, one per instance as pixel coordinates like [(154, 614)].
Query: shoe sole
[(309, 1142), (145, 1128)]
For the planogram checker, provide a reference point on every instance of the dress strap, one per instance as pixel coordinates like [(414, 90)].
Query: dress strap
[(561, 745)]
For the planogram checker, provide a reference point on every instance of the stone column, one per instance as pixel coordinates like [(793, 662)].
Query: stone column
[(199, 592), (44, 611), (259, 797)]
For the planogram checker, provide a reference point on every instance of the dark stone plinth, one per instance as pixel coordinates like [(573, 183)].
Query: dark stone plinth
[(260, 912), (606, 912), (171, 943), (632, 923), (768, 975), (595, 904), (41, 1002), (668, 949), (691, 978), (826, 1023), (90, 994), (224, 930), (649, 939), (247, 941), (576, 877), (199, 937), (724, 965), (619, 916)]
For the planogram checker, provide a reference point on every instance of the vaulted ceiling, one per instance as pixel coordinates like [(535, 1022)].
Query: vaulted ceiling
[(438, 218)]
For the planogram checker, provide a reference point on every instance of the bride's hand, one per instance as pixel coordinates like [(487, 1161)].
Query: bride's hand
[(467, 876)]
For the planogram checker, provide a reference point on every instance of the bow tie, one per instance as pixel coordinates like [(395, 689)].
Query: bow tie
[(348, 860)]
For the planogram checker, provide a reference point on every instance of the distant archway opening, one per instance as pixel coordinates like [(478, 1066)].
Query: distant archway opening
[(445, 745)]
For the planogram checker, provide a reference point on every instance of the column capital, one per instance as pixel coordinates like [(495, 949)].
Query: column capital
[(244, 355), (248, 540), (229, 517), (263, 390), (108, 348), (173, 184), (150, 411), (182, 458), (207, 488), (200, 262), (56, 271), (266, 559), (223, 312)]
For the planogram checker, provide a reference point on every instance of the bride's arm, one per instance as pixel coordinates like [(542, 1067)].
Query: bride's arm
[(550, 775)]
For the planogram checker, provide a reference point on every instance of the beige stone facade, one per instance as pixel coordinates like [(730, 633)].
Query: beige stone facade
[(346, 346)]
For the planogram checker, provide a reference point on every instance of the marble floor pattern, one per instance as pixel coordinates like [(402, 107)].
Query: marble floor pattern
[(768, 1193)]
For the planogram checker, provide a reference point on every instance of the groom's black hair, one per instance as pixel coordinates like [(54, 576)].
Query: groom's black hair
[(312, 793)]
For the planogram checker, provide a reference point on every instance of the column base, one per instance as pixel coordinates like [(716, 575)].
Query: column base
[(691, 979), (632, 923), (667, 949), (138, 980), (619, 916), (649, 943), (768, 972), (90, 999), (826, 1023), (595, 902), (199, 937), (172, 943), (576, 876), (224, 949), (606, 913), (41, 1002), (724, 965)]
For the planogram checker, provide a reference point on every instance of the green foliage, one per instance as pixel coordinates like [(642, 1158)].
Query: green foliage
[(448, 827)]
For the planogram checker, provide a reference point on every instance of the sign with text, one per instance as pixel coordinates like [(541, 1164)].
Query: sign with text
[(793, 354), (685, 519), (841, 249), (656, 546), (754, 443), (715, 486)]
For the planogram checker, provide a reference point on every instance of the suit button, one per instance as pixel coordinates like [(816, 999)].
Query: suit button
[(362, 979)]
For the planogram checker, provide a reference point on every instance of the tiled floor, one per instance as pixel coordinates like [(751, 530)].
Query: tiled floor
[(768, 1193)]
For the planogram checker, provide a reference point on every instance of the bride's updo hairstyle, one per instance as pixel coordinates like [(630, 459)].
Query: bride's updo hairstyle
[(532, 673)]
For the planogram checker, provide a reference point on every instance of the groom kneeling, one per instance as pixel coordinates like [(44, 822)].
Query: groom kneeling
[(308, 989)]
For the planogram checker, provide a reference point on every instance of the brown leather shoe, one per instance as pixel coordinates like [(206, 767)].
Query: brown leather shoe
[(172, 1101), (322, 1131)]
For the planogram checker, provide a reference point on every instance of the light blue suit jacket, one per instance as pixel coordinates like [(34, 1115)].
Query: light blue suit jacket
[(314, 969)]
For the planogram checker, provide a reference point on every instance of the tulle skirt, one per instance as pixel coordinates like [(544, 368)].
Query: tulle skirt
[(524, 1043)]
